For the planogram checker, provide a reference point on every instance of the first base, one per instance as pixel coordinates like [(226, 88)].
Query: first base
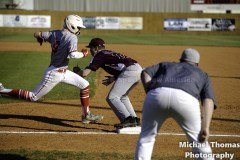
[(129, 130)]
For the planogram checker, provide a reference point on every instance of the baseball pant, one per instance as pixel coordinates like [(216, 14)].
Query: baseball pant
[(118, 95), (52, 77), (163, 103)]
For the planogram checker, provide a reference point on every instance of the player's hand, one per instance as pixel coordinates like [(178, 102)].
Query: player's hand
[(203, 135), (76, 69), (40, 40), (108, 80), (85, 52)]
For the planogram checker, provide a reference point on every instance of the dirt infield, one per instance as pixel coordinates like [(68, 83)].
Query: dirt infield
[(221, 63)]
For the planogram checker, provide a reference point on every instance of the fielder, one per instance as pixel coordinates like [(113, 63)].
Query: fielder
[(64, 47), (173, 90), (125, 75)]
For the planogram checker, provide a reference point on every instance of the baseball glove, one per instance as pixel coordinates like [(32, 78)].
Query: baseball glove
[(85, 52), (76, 69), (108, 80), (40, 40)]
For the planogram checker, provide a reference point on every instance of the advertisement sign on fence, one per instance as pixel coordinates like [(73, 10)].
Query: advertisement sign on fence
[(175, 24), (131, 23), (199, 24), (223, 24), (34, 21), (107, 22), (25, 21), (89, 22), (128, 23), (216, 6)]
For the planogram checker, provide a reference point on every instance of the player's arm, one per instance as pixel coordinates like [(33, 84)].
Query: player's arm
[(82, 73), (207, 111), (146, 80), (147, 74), (38, 36), (77, 55), (108, 80), (85, 72)]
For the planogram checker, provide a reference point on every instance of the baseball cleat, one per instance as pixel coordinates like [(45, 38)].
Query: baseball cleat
[(138, 121), (91, 118), (1, 87), (127, 122)]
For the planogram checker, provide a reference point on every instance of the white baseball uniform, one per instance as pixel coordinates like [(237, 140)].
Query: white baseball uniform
[(64, 46)]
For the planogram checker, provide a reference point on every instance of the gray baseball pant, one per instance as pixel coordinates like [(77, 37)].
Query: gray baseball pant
[(163, 103), (118, 95)]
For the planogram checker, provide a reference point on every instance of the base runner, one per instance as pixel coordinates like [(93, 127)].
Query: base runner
[(64, 47)]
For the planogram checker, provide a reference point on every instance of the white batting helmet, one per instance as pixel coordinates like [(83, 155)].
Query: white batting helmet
[(73, 23)]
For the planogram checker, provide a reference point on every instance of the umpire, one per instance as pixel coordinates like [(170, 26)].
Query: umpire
[(173, 90)]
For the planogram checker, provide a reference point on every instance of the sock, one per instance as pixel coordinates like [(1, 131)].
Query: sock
[(18, 93), (84, 97)]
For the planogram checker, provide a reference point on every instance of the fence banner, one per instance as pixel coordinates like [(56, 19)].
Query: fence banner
[(89, 22), (125, 23), (131, 23), (25, 21), (1, 20), (35, 21), (107, 22), (199, 24), (223, 24), (14, 21), (175, 24)]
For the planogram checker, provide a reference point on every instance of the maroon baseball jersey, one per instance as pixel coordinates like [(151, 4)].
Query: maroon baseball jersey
[(112, 62)]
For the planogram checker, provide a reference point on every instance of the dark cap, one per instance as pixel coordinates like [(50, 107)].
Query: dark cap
[(96, 42)]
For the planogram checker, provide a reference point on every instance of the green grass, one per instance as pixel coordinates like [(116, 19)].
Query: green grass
[(67, 155), (24, 70), (145, 39)]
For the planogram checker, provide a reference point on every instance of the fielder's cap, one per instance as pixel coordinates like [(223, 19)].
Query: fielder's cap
[(190, 55), (96, 42)]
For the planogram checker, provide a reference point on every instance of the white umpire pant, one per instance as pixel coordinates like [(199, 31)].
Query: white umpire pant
[(162, 103)]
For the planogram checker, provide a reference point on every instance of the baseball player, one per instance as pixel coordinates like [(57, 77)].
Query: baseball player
[(64, 47), (173, 90), (125, 75)]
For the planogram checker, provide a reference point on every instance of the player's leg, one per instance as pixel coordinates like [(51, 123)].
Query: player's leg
[(126, 101), (17, 93), (155, 112), (117, 97), (187, 113), (77, 81), (132, 78), (50, 79), (114, 100)]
